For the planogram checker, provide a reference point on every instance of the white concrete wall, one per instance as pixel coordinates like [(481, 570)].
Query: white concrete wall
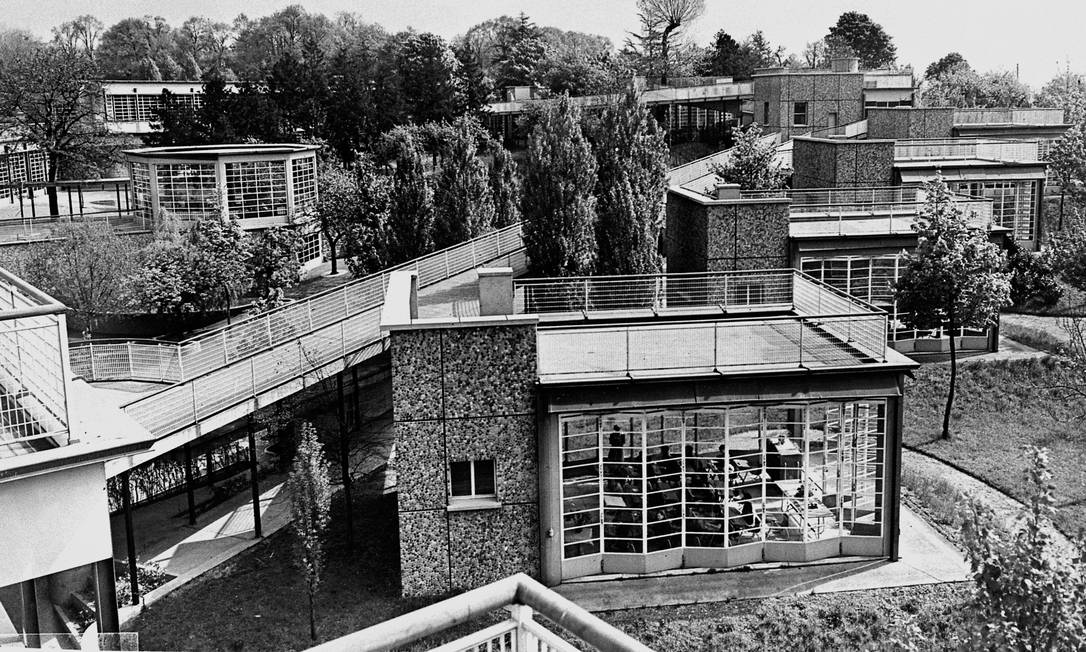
[(52, 522)]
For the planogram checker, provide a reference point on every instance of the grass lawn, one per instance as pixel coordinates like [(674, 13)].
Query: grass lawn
[(257, 601), (1001, 408), (832, 621)]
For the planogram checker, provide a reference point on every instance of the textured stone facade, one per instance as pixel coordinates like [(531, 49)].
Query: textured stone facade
[(901, 122), (713, 235), (685, 233), (824, 163), (465, 393), (832, 99)]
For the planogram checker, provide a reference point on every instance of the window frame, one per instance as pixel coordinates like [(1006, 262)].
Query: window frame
[(474, 500), (796, 113)]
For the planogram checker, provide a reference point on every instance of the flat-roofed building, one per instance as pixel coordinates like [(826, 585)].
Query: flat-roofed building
[(56, 436), (583, 426), (262, 186), (130, 105)]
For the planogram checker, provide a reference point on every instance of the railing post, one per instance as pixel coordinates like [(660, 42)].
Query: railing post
[(131, 365), (520, 613), (195, 412), (801, 329), (474, 261), (180, 363), (586, 296), (94, 371), (225, 355), (727, 300), (627, 350), (309, 312), (252, 378)]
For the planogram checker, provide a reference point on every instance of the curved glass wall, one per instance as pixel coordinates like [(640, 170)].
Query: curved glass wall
[(642, 482)]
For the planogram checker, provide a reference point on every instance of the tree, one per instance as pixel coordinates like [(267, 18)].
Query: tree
[(1067, 160), (632, 160), (954, 277), (86, 267), (430, 79), (558, 204), (310, 504), (463, 203), (753, 162), (138, 48), (1065, 91), (477, 86), (80, 34), (1029, 592), (273, 266), (1033, 277), (411, 217), (664, 20), (366, 246), (352, 208), (945, 64), (50, 98), (504, 187), (963, 88), (519, 50), (864, 37), (199, 270), (724, 57)]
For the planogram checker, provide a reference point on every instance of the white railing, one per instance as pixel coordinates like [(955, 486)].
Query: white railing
[(33, 367), (224, 367), (1008, 117), (1022, 151), (522, 596), (742, 290), (827, 328)]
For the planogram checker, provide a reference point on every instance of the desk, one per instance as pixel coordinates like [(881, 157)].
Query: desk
[(613, 501)]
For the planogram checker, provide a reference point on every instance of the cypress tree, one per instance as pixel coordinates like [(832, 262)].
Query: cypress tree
[(558, 204)]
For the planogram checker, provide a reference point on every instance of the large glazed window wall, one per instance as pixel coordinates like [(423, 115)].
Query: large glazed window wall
[(647, 481)]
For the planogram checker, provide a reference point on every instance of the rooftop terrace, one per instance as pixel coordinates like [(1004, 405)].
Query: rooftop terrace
[(1002, 151), (591, 329)]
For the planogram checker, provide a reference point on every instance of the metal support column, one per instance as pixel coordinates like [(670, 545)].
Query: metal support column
[(189, 492), (254, 482), (105, 597), (31, 628), (130, 535), (345, 459)]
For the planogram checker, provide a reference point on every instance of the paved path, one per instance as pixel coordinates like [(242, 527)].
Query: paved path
[(926, 558), (1008, 350), (1006, 507)]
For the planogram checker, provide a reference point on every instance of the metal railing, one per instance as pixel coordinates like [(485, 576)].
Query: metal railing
[(1036, 117), (898, 204), (222, 368), (827, 328), (990, 150), (522, 596), (33, 368), (25, 217), (584, 294)]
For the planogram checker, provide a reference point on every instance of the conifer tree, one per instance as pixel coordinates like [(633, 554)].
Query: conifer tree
[(632, 159), (463, 204), (411, 217), (310, 503), (504, 188), (558, 204)]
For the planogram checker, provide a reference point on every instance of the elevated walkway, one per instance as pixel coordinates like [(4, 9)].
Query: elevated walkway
[(225, 374)]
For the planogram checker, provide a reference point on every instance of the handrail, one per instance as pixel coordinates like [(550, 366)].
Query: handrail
[(222, 368), (517, 589)]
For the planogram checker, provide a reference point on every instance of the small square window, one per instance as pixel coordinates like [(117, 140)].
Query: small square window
[(472, 479), (799, 114)]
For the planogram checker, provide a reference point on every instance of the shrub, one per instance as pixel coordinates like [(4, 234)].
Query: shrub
[(1033, 278)]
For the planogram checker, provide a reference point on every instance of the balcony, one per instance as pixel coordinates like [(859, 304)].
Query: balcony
[(1022, 117), (888, 80), (967, 149), (655, 326), (34, 378)]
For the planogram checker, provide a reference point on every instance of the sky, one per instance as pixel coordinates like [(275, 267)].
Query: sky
[(1039, 37)]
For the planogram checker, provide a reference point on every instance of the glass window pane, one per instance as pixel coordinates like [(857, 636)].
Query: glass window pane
[(484, 477), (460, 477)]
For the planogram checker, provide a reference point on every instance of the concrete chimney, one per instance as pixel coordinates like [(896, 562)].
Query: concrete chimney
[(727, 191), (495, 291)]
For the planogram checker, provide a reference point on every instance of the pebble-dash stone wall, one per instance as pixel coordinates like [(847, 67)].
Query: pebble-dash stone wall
[(465, 393), (726, 236), (823, 163), (902, 123)]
